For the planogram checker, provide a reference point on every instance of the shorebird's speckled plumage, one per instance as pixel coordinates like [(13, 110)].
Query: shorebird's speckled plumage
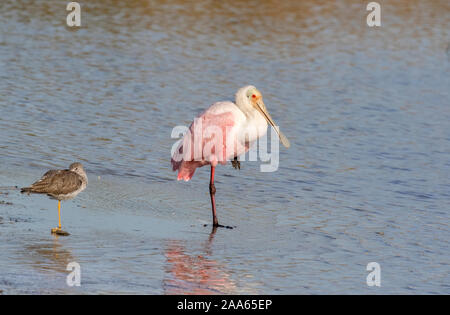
[(61, 184)]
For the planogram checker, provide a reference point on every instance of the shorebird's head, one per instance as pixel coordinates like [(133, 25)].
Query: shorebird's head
[(249, 98), (77, 168)]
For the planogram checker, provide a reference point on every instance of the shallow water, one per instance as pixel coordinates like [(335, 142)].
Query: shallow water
[(366, 178)]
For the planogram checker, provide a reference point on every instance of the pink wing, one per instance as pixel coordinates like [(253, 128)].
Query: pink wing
[(211, 139)]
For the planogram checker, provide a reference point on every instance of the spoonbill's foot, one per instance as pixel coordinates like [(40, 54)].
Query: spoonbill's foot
[(225, 226), (58, 231), (221, 226)]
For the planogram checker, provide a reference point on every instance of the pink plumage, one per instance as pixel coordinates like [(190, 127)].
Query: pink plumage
[(211, 139)]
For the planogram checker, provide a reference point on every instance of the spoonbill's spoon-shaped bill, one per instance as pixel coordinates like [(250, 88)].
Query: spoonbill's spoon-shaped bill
[(261, 107)]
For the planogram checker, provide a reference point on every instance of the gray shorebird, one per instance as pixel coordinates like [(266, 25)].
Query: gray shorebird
[(60, 185)]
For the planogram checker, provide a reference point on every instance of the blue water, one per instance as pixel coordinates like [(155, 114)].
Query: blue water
[(367, 177)]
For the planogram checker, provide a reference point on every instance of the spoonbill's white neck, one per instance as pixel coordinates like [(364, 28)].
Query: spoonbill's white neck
[(243, 102)]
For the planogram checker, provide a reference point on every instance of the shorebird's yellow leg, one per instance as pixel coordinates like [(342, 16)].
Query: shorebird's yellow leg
[(58, 230), (59, 214)]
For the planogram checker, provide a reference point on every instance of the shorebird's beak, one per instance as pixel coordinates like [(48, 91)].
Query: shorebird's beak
[(262, 109)]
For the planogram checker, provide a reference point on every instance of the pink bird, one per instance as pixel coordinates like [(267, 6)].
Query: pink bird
[(222, 133)]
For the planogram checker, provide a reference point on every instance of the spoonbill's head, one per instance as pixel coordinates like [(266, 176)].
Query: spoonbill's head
[(252, 98)]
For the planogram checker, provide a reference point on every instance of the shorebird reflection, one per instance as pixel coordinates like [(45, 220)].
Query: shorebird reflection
[(49, 255)]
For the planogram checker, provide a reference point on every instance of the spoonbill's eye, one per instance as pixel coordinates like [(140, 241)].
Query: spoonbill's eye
[(254, 96)]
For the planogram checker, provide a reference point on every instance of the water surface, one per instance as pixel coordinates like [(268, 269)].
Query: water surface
[(367, 177)]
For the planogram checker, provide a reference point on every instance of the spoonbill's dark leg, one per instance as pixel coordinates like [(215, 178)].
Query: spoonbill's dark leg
[(212, 192)]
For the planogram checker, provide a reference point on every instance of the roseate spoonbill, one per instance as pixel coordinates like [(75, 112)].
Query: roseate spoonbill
[(221, 133), (60, 185)]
